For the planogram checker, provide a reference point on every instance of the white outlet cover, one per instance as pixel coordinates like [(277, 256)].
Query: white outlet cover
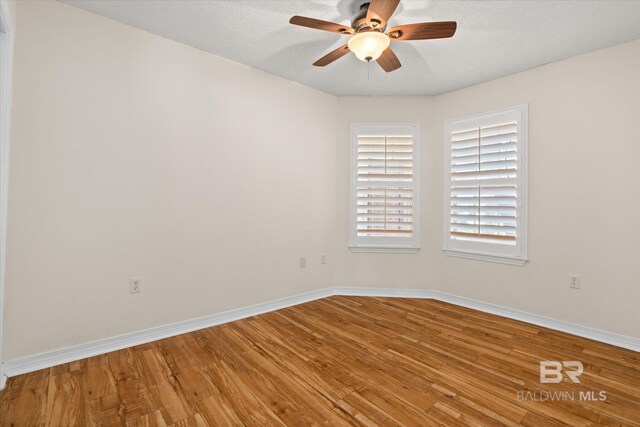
[(574, 282), (134, 285), (303, 262)]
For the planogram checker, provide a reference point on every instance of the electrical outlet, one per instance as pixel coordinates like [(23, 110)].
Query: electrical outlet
[(134, 285), (574, 282), (303, 261), (323, 259)]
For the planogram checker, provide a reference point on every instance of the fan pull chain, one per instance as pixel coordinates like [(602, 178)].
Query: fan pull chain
[(368, 65)]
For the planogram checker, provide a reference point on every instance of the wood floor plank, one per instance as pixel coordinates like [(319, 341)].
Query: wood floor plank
[(65, 403), (24, 399), (337, 361)]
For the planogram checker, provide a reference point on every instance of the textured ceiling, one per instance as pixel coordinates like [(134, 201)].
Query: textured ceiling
[(494, 38)]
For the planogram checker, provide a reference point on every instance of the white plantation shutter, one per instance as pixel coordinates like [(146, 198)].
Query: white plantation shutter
[(384, 192), (485, 186), (484, 174), (385, 202)]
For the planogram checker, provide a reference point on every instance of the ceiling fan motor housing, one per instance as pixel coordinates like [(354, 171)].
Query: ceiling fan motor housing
[(361, 24)]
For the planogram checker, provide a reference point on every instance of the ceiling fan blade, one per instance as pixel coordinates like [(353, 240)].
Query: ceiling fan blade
[(332, 56), (389, 61), (318, 24), (423, 31), (381, 10)]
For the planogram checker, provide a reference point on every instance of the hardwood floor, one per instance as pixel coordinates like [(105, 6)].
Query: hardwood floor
[(337, 361)]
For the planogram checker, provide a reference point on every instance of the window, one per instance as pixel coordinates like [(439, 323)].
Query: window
[(485, 190), (384, 192)]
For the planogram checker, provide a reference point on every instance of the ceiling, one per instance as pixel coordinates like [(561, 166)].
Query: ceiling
[(494, 38)]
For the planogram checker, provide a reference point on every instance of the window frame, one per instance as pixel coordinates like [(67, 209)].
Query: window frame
[(6, 79), (384, 244), (486, 251)]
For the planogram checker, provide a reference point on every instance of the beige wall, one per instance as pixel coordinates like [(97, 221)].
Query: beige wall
[(133, 155), (385, 270), (584, 193)]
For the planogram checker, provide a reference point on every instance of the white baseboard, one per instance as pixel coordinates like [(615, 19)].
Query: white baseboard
[(618, 340), (383, 292), (3, 377), (94, 348), (547, 322), (57, 357)]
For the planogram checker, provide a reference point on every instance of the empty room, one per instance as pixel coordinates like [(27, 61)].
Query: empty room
[(327, 212)]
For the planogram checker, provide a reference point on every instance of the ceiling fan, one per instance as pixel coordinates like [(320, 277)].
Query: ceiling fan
[(368, 39)]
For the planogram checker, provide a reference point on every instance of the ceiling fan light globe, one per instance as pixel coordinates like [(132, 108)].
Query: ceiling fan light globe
[(368, 46)]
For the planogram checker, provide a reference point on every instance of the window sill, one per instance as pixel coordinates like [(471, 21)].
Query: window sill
[(485, 257), (384, 249)]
